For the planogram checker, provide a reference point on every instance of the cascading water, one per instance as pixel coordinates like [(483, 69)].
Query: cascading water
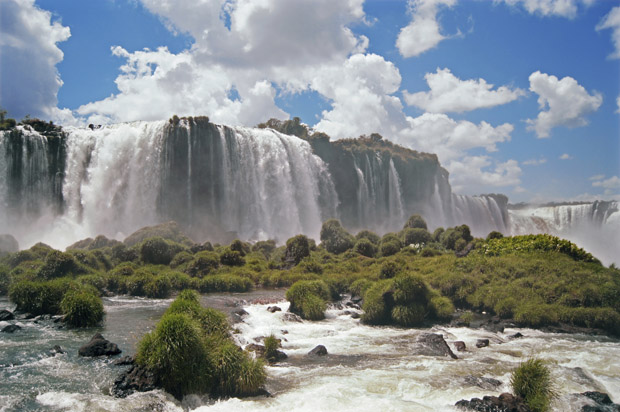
[(223, 182)]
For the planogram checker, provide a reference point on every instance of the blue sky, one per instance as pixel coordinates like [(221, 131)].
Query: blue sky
[(419, 72)]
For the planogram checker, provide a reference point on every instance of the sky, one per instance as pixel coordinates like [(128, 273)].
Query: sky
[(520, 97)]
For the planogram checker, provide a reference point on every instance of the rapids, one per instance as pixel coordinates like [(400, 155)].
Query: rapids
[(367, 368)]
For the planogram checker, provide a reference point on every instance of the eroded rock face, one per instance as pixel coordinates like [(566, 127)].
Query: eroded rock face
[(505, 402), (135, 379), (601, 403), (99, 346), (433, 344)]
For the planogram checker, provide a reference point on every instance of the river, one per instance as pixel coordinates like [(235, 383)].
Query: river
[(367, 368)]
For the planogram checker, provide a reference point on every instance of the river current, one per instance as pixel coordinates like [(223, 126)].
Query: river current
[(366, 369)]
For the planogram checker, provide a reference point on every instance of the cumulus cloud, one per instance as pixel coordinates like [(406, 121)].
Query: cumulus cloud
[(610, 183), (618, 103), (29, 81), (566, 156), (423, 32), (566, 101), (244, 51), (612, 21), (448, 93), (535, 162), (476, 171), (561, 8)]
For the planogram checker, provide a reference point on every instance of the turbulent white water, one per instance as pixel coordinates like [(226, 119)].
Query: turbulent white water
[(367, 368)]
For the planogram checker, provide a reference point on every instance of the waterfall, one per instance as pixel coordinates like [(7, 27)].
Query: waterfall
[(222, 182)]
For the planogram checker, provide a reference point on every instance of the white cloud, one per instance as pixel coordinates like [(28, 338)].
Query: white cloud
[(29, 81), (535, 162), (612, 21), (423, 32), (476, 171), (566, 156), (618, 103), (449, 138), (561, 8), (567, 102), (243, 46), (597, 177), (611, 183), (448, 93)]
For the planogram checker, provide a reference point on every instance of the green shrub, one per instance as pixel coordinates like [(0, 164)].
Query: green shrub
[(5, 280), (135, 285), (122, 253), (158, 287), (365, 248), (494, 235), (40, 298), (505, 308), (540, 243), (237, 373), (58, 264), (203, 264), (157, 251), (416, 236), (536, 315), (372, 237), (389, 248), (533, 382), (271, 348), (437, 234), (82, 308), (360, 286), (389, 269), (466, 318), (224, 283), (410, 288), (97, 282), (334, 238), (175, 352), (231, 257), (241, 247), (265, 247), (415, 222), (181, 258), (308, 298), (378, 303), (297, 248), (15, 259), (411, 315), (442, 308)]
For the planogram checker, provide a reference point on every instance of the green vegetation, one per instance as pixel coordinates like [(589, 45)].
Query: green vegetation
[(533, 382), (190, 351), (82, 308), (309, 299), (272, 344), (536, 280)]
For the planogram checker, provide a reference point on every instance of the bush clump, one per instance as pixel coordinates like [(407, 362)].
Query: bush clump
[(335, 238), (533, 382), (415, 222), (157, 251), (58, 264), (416, 236), (190, 351), (297, 248), (203, 263), (40, 297), (365, 248), (231, 257), (308, 299), (82, 308)]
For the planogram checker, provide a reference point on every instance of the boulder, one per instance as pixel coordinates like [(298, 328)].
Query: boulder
[(515, 336), (99, 346), (319, 350), (135, 379), (6, 315), (291, 317), (11, 328), (601, 402), (505, 402), (482, 343), (460, 345), (56, 350), (489, 384), (433, 344), (238, 315), (124, 360), (274, 309)]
